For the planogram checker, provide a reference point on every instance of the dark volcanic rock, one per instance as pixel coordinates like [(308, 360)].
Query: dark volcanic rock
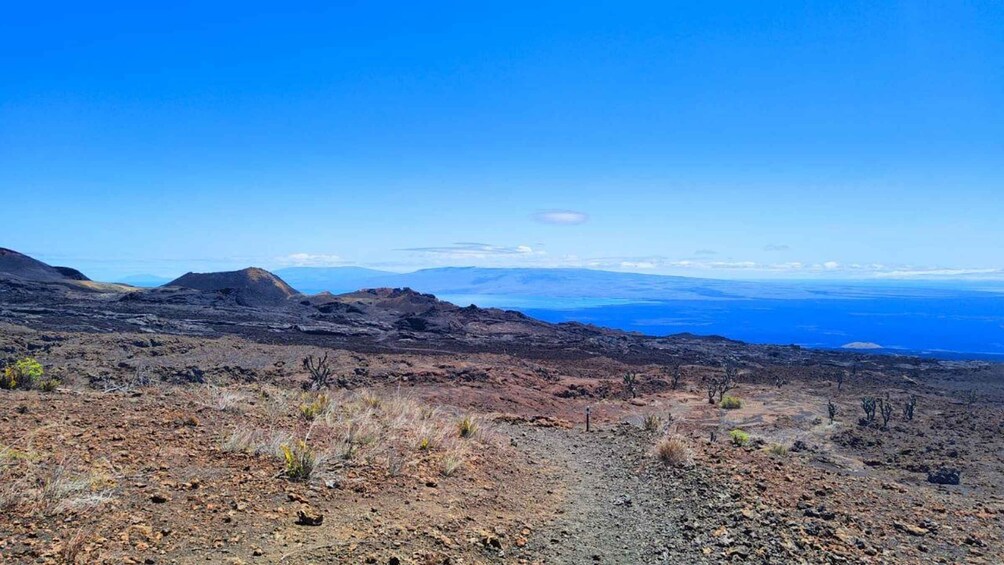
[(944, 477)]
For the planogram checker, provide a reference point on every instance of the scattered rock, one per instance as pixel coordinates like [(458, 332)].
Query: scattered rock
[(308, 517)]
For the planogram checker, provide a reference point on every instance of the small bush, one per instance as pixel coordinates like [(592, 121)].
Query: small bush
[(299, 461), (731, 402), (674, 452), (425, 444), (739, 438), (652, 423), (467, 427), (778, 450)]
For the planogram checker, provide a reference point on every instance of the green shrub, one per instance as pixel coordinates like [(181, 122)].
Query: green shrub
[(739, 437), (25, 374), (731, 402), (778, 450)]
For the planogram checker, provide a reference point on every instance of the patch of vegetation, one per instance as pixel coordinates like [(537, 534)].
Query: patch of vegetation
[(631, 384), (24, 373), (739, 438), (831, 410), (451, 464), (652, 423), (910, 407), (869, 404), (311, 410), (39, 484), (467, 427), (674, 452), (299, 460), (48, 385), (777, 450), (320, 372), (730, 402)]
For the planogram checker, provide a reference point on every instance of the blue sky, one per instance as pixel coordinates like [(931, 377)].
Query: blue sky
[(741, 140)]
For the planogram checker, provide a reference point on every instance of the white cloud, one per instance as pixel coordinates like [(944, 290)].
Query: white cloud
[(831, 265), (471, 250), (906, 273), (637, 265), (309, 260), (776, 247), (561, 217)]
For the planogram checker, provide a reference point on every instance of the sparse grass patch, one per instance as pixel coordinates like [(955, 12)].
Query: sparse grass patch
[(451, 464), (38, 485), (255, 442), (674, 452), (777, 450), (739, 438), (222, 398), (730, 402)]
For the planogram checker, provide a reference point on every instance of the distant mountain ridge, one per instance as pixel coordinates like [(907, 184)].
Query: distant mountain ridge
[(537, 282), (565, 283)]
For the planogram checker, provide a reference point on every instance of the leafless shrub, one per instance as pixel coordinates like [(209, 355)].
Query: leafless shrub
[(631, 383), (720, 385), (885, 408), (910, 407), (675, 373), (320, 371), (869, 404), (831, 410)]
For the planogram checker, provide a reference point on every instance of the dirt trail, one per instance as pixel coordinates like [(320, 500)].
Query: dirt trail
[(616, 509)]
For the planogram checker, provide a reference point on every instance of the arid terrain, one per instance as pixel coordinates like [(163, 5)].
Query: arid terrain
[(173, 425)]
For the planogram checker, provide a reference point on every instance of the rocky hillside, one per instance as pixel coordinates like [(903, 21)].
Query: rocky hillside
[(21, 266), (250, 287)]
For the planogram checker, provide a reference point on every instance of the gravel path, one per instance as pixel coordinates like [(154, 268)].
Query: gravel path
[(616, 510)]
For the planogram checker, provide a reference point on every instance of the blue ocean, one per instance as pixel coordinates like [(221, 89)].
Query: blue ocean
[(960, 326)]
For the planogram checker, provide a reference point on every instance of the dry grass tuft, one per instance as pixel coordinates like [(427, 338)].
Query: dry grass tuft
[(652, 423), (673, 451), (451, 464)]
